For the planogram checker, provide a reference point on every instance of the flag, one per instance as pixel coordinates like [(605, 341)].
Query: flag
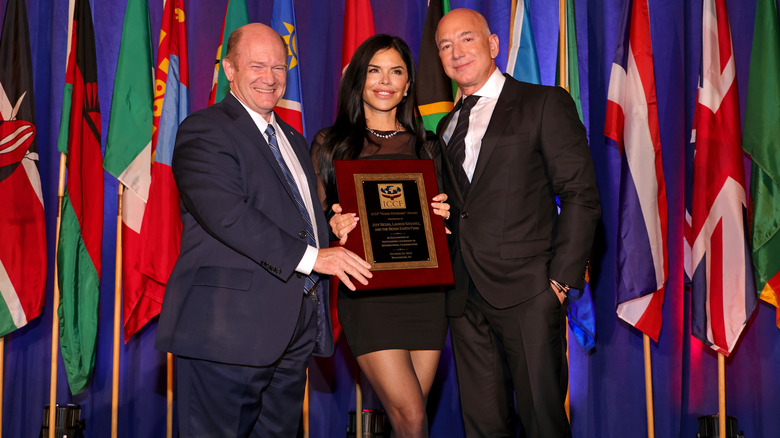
[(358, 26), (761, 139), (160, 238), (23, 247), (632, 126), (582, 315), (236, 15), (723, 290), (81, 229), (129, 144), (434, 88), (523, 64), (290, 107)]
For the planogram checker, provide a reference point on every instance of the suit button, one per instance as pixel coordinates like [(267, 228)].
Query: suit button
[(464, 215), (302, 234), (299, 275)]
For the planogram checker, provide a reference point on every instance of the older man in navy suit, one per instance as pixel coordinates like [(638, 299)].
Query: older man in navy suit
[(245, 307)]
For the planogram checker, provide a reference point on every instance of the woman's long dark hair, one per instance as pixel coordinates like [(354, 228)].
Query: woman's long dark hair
[(345, 139)]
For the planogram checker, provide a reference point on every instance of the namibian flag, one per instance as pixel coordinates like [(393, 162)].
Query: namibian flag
[(434, 88), (290, 107), (160, 239), (632, 126), (81, 230)]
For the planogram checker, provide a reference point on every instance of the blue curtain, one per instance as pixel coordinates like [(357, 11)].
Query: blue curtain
[(606, 386)]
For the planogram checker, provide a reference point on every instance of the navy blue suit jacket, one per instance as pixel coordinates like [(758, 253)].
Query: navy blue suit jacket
[(234, 296)]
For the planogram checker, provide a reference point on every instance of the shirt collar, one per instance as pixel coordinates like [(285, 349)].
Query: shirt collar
[(257, 118), (493, 86)]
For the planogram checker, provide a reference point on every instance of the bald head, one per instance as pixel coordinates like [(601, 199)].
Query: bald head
[(467, 48), (255, 64)]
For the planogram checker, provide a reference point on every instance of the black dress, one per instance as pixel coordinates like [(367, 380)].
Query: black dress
[(409, 318)]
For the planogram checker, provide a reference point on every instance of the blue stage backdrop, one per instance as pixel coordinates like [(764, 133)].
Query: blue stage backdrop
[(607, 385)]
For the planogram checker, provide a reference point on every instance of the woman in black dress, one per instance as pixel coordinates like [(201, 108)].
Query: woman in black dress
[(396, 335)]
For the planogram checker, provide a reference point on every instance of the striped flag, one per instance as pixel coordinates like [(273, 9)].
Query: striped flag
[(23, 246), (723, 290), (523, 64), (160, 239), (582, 315), (129, 145), (632, 126), (434, 88), (81, 231), (236, 15), (290, 107), (358, 26), (761, 140)]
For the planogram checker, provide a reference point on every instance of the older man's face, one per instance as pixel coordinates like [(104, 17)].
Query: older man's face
[(258, 72), (466, 49)]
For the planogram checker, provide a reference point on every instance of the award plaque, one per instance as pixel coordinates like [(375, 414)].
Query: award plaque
[(398, 233)]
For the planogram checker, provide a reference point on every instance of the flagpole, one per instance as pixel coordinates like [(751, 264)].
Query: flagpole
[(649, 388), (358, 404), (562, 61), (55, 323), (117, 317), (169, 397), (2, 360), (722, 394), (305, 412)]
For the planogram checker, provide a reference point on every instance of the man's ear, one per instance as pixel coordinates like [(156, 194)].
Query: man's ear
[(227, 66), (493, 41)]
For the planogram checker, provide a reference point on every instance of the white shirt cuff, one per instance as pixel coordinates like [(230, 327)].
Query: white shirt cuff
[(306, 264)]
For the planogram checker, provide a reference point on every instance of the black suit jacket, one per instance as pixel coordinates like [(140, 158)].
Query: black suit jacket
[(508, 237), (234, 295)]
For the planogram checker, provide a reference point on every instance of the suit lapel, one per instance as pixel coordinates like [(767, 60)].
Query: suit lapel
[(446, 162), (256, 138), (498, 122)]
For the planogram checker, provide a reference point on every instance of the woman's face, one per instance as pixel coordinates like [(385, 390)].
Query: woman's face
[(386, 82)]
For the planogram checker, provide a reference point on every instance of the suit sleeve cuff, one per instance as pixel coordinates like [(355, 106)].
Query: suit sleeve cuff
[(306, 265)]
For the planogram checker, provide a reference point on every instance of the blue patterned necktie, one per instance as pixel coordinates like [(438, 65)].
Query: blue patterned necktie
[(270, 132), (457, 143)]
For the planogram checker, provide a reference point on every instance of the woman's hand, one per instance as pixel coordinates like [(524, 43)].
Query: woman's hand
[(342, 224), (441, 207)]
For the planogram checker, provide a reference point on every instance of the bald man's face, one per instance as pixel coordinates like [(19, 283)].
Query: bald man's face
[(466, 49), (258, 71)]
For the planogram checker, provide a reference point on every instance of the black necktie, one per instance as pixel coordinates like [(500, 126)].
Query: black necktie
[(457, 143)]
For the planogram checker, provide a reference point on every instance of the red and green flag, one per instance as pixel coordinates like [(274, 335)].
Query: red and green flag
[(236, 15), (761, 139), (434, 88), (129, 150), (81, 229), (23, 246)]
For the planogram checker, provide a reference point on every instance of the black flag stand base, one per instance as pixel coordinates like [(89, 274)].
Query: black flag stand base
[(708, 427), (68, 422), (375, 424)]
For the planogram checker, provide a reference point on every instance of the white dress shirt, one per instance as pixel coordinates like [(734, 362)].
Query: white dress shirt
[(478, 120), (306, 264)]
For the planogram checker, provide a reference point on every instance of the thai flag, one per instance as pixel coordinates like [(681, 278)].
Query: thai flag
[(632, 125), (721, 271), (290, 107)]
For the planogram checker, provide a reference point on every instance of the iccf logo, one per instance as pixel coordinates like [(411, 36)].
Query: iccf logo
[(391, 196)]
